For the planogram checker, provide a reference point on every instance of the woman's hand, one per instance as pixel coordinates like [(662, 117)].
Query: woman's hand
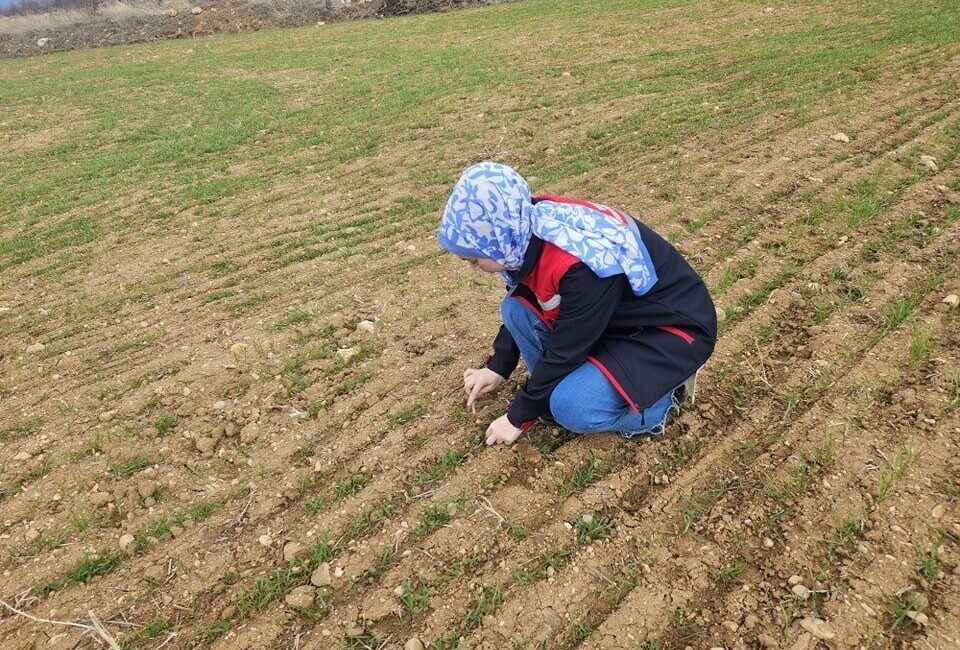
[(500, 430), (477, 381)]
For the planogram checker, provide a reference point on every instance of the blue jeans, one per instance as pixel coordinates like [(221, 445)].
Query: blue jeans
[(584, 401)]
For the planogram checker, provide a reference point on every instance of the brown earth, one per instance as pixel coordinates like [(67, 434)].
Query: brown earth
[(807, 500), (217, 17)]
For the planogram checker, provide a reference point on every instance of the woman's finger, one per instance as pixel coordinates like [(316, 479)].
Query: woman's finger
[(475, 391)]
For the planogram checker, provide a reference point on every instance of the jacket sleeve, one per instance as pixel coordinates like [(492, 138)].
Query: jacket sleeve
[(587, 302), (505, 355)]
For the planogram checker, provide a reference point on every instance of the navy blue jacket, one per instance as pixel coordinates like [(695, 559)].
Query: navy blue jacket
[(645, 345)]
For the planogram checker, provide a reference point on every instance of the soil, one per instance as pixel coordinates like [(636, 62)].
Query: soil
[(217, 17), (809, 499)]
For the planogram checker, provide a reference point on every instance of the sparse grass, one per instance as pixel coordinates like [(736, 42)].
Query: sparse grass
[(731, 573), (431, 519), (587, 473), (929, 565), (921, 345), (166, 423), (901, 608), (130, 466), (441, 468), (414, 600), (589, 527), (215, 630), (895, 471), (699, 504), (352, 484), (88, 566), (485, 602), (19, 430)]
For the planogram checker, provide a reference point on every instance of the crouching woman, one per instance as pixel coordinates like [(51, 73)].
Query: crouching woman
[(611, 320)]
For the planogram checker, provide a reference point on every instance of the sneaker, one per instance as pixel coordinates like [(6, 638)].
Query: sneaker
[(547, 420), (687, 391)]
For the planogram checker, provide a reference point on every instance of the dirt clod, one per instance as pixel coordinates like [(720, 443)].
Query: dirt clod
[(367, 326), (929, 162), (36, 348), (126, 542), (22, 457), (767, 641), (301, 597), (206, 445), (292, 551), (818, 628)]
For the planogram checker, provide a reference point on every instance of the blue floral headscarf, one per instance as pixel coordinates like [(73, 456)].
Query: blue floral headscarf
[(491, 214)]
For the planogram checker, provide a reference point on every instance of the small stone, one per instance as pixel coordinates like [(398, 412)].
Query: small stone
[(587, 518), (751, 621), (767, 641), (22, 456), (126, 542), (367, 326), (929, 162), (265, 540), (106, 416), (146, 488), (206, 445), (840, 137), (818, 628), (321, 575), (801, 592), (196, 11), (338, 572), (399, 591), (918, 617), (292, 551), (951, 300), (35, 348), (346, 353), (730, 625), (301, 597), (238, 348), (566, 73), (32, 534), (767, 542), (794, 580), (938, 511), (41, 42), (413, 644)]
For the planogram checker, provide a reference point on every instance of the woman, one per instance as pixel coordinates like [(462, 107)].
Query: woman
[(611, 321)]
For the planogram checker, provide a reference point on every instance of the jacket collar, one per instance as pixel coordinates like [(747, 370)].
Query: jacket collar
[(530, 259)]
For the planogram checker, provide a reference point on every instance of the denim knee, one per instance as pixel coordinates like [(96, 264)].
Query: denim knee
[(514, 314), (568, 410)]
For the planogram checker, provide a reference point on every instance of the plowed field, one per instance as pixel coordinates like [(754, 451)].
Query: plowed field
[(193, 428)]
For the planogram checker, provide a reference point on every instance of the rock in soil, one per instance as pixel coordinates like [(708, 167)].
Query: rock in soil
[(938, 511), (250, 432), (101, 498), (292, 552), (22, 457), (301, 597), (35, 348), (321, 575), (840, 137), (952, 300), (196, 11), (818, 628), (413, 644), (367, 326), (206, 445), (928, 162), (767, 641), (126, 542), (346, 353), (800, 592)]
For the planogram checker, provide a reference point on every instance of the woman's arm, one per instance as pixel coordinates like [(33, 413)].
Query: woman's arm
[(587, 302), (505, 355)]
